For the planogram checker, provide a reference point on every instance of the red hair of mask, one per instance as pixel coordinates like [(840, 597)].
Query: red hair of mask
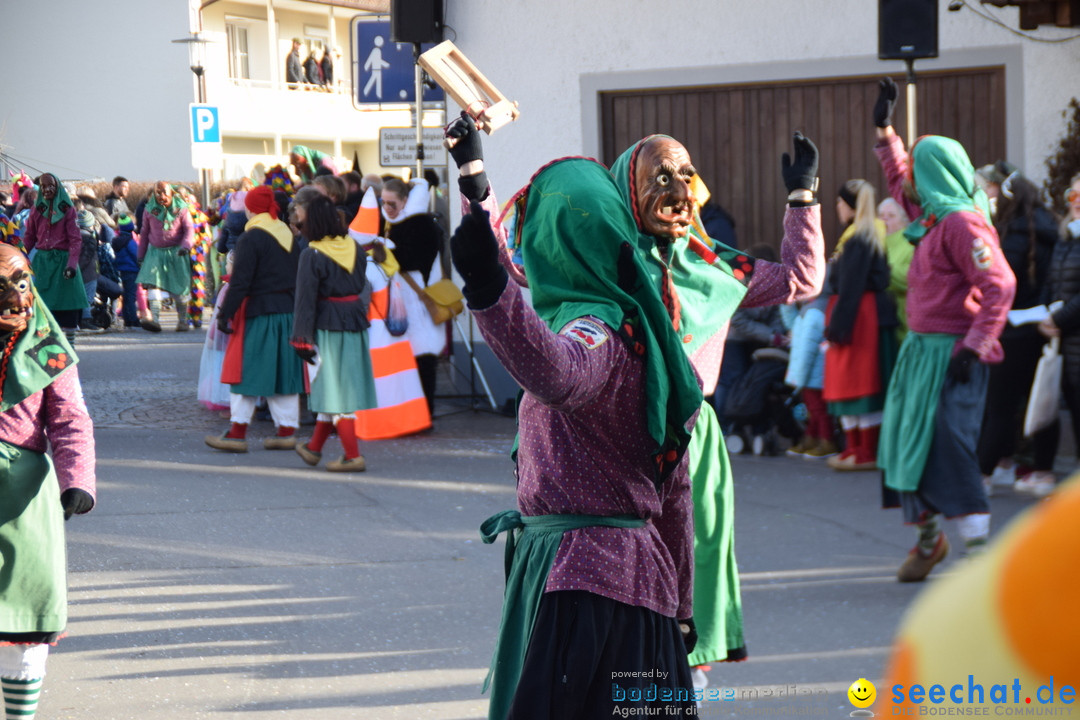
[(261, 200)]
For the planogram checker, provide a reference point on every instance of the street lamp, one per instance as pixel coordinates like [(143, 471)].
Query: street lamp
[(196, 45)]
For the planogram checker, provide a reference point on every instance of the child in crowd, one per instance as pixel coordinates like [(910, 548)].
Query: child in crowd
[(806, 373), (213, 393), (126, 253)]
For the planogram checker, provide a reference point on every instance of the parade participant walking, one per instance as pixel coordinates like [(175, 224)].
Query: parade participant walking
[(861, 329), (259, 362), (960, 289), (164, 246), (52, 236), (601, 549), (330, 327), (41, 405)]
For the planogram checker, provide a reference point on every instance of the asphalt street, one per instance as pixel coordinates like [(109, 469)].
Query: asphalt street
[(213, 585)]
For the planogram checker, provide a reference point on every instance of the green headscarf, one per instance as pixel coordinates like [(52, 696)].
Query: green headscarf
[(54, 212), (167, 215), (710, 278), (40, 354), (313, 157), (945, 181), (573, 226)]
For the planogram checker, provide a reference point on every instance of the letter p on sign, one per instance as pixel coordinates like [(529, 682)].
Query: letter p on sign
[(204, 124)]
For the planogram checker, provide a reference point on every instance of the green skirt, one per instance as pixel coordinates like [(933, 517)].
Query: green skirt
[(717, 597), (57, 292), (907, 429), (345, 382), (33, 559), (271, 366), (531, 545), (165, 268)]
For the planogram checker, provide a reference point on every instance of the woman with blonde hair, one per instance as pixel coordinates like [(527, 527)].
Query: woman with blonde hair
[(860, 327)]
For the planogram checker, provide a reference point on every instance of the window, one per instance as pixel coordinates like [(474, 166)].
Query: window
[(238, 51)]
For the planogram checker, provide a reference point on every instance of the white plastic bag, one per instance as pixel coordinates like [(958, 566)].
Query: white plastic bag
[(1044, 403)]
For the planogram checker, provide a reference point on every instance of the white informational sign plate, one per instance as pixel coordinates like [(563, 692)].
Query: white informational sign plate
[(397, 147)]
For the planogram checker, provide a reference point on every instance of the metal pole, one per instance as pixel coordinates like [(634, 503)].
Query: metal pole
[(204, 175), (912, 135), (419, 111)]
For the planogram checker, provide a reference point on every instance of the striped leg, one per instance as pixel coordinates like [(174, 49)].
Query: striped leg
[(21, 698)]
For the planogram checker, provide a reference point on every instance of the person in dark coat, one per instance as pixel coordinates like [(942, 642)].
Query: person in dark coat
[(1028, 233), (294, 71), (258, 313)]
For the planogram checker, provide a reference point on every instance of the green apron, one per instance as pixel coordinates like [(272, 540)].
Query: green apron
[(907, 429), (531, 545), (165, 268), (33, 560), (57, 292)]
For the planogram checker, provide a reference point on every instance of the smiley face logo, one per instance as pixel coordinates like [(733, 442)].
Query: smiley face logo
[(862, 693)]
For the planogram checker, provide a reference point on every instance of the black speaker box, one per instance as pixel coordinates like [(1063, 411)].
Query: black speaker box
[(416, 21), (907, 29)]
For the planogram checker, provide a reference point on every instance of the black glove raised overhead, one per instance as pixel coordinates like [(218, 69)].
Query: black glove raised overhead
[(75, 502), (886, 102), (475, 253), (959, 369), (465, 147), (800, 173)]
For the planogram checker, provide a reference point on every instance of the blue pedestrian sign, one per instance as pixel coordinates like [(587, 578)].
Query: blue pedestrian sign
[(205, 127), (384, 71)]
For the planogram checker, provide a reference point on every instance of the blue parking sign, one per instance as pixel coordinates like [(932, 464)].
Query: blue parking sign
[(205, 127), (385, 71)]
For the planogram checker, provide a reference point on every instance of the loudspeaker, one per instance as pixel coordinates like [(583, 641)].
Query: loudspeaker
[(907, 29), (416, 21)]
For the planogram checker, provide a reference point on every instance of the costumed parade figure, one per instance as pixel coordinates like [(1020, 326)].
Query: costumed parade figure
[(600, 552), (960, 289), (330, 323), (41, 405), (701, 283)]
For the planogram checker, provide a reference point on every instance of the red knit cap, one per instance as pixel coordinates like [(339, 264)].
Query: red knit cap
[(261, 200)]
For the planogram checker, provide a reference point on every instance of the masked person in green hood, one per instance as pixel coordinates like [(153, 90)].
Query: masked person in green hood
[(597, 613), (41, 408), (960, 289)]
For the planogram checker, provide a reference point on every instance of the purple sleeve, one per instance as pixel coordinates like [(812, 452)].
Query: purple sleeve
[(676, 528), (801, 271), (974, 248), (144, 236), (74, 238), (894, 163), (187, 230), (560, 372), (70, 432), (32, 231)]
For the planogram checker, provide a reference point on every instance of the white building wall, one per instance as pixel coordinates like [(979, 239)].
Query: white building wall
[(553, 57)]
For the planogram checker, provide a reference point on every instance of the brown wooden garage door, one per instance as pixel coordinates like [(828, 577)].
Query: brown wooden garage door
[(736, 133)]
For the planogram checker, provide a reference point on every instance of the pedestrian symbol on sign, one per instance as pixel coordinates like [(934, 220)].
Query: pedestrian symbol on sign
[(375, 65)]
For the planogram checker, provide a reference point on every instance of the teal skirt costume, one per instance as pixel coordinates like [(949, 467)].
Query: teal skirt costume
[(345, 382), (166, 269), (270, 365), (56, 291), (33, 558)]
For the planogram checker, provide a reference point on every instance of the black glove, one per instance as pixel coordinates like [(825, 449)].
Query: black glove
[(223, 325), (75, 502), (835, 337), (475, 253), (886, 102), (628, 274), (467, 148), (69, 273), (183, 252), (306, 353), (689, 634), (801, 173), (959, 370)]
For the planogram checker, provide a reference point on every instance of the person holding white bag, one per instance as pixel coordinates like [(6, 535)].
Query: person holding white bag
[(1065, 322)]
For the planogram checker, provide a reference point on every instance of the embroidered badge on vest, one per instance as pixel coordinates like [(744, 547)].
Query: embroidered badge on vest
[(588, 333), (980, 254)]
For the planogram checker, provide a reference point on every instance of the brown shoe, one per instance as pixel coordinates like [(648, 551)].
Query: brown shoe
[(917, 566), (823, 449), (280, 443), (228, 444), (182, 327), (355, 464), (843, 461), (310, 456)]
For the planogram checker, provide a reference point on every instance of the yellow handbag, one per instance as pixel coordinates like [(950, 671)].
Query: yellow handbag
[(442, 299)]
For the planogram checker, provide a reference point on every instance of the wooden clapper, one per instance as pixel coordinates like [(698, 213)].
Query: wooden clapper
[(461, 80)]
